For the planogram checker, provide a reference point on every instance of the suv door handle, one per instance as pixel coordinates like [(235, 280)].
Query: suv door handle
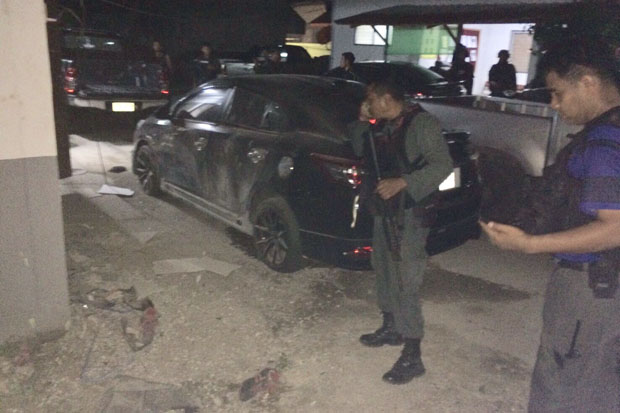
[(256, 155)]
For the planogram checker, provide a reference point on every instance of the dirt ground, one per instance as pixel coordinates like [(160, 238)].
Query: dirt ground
[(210, 332)]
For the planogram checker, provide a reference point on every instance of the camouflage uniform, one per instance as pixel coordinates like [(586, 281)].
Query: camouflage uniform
[(398, 282)]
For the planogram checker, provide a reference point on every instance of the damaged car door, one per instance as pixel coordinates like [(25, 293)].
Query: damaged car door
[(238, 159), (195, 121)]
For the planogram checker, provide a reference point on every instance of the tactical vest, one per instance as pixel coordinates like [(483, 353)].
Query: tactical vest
[(392, 159), (554, 204)]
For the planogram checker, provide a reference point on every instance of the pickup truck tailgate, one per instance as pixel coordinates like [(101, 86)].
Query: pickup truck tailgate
[(117, 78)]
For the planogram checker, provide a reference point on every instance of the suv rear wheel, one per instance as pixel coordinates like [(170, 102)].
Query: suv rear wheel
[(276, 235), (146, 171)]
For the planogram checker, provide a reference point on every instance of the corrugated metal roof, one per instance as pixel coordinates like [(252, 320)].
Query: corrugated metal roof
[(470, 11)]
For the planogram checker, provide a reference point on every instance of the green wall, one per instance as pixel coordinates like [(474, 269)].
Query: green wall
[(418, 40)]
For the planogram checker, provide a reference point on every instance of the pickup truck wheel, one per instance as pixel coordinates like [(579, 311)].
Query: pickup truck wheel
[(146, 170), (276, 235)]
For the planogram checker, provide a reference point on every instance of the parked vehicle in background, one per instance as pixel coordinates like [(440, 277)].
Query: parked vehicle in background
[(515, 140), (296, 60), (99, 73), (269, 155), (417, 81), (236, 63)]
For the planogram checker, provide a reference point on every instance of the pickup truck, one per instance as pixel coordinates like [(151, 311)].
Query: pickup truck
[(515, 140), (99, 73)]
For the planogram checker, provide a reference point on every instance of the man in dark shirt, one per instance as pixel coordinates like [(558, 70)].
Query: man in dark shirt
[(271, 63), (345, 70), (206, 65), (161, 57), (502, 76), (461, 70), (578, 363)]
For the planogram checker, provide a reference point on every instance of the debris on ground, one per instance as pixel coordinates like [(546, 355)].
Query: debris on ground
[(122, 300), (133, 395), (140, 334), (23, 357), (265, 382)]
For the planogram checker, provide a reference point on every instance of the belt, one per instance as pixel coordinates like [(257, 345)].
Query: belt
[(574, 265)]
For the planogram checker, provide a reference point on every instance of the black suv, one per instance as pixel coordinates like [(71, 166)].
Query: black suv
[(269, 155)]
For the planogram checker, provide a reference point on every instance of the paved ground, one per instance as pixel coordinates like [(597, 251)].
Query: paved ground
[(220, 316)]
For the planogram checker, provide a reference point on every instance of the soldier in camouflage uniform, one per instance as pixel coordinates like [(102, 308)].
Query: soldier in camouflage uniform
[(413, 159)]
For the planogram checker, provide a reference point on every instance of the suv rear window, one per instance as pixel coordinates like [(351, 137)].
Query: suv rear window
[(401, 72)]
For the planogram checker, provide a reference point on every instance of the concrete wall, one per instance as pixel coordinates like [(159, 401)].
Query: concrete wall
[(33, 274)]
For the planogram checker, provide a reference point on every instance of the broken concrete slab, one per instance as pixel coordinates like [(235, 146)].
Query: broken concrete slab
[(133, 395), (144, 236), (186, 265), (116, 208), (143, 229)]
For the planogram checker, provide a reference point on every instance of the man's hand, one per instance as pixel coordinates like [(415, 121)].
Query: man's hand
[(387, 188), (508, 237)]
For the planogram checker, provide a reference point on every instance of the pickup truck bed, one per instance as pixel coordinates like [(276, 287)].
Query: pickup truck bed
[(98, 73), (515, 140), (531, 133)]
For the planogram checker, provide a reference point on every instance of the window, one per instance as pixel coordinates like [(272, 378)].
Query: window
[(366, 35), (206, 106), (521, 50), (255, 111)]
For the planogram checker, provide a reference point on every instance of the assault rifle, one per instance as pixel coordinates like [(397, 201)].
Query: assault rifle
[(391, 229)]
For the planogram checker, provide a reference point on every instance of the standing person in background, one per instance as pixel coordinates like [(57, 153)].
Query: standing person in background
[(413, 159), (206, 65), (503, 76), (576, 216), (270, 62), (438, 68), (159, 56), (345, 70), (462, 70)]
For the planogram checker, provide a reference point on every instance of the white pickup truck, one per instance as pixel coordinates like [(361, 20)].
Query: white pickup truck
[(99, 73), (515, 140)]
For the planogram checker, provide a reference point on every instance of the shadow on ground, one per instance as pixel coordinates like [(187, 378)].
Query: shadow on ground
[(439, 286)]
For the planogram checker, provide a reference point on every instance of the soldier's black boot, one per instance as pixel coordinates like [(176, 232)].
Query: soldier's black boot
[(408, 365), (386, 334)]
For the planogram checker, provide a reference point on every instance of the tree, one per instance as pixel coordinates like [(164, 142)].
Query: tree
[(588, 22)]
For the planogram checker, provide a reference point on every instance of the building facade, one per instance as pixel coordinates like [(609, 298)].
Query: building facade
[(33, 275)]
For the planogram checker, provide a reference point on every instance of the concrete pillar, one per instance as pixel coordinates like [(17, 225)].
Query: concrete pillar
[(33, 273)]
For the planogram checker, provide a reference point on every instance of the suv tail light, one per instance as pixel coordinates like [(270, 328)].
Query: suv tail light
[(416, 95), (70, 79), (163, 82), (340, 170)]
